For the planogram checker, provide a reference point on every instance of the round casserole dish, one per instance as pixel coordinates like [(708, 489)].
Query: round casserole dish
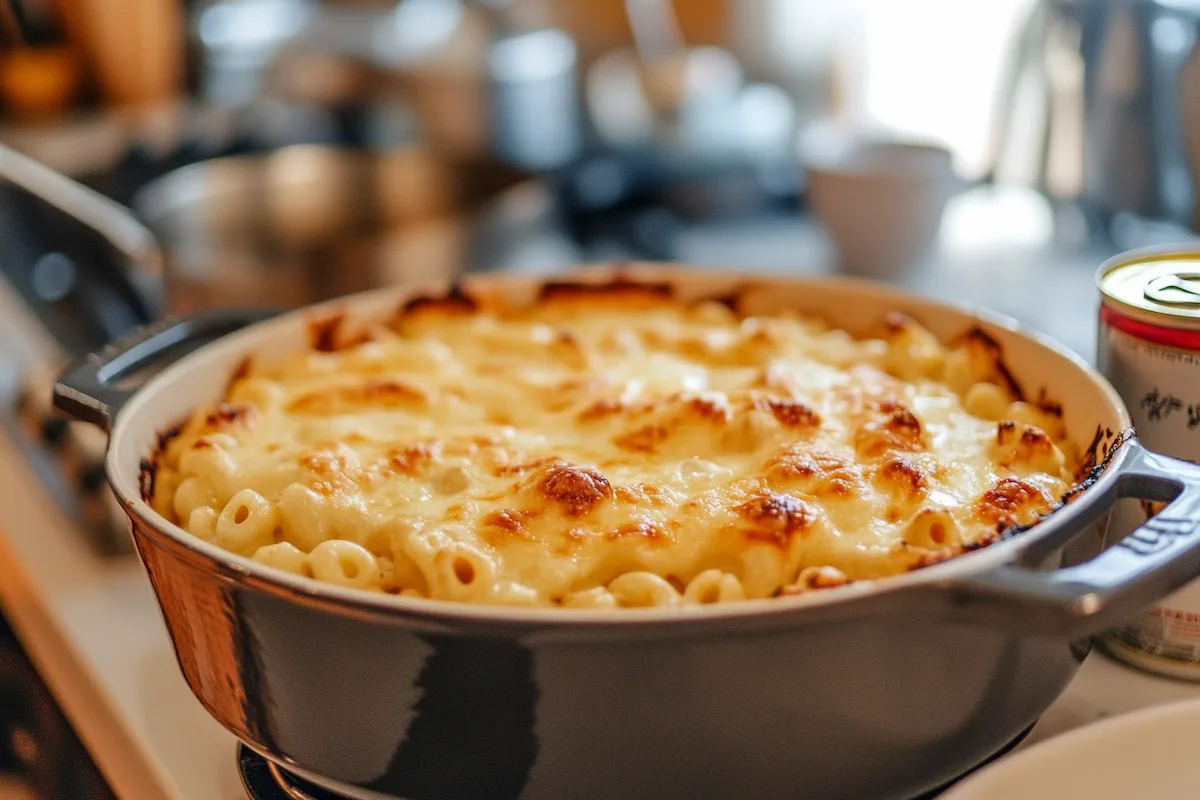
[(878, 689)]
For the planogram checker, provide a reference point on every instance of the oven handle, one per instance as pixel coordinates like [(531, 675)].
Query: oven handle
[(97, 386), (1159, 557)]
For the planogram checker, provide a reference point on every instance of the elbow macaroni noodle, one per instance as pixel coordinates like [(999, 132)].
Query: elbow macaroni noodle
[(613, 450)]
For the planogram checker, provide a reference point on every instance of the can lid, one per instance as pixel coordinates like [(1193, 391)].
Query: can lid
[(1163, 288)]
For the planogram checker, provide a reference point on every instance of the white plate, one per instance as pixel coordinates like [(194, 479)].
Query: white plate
[(1152, 754)]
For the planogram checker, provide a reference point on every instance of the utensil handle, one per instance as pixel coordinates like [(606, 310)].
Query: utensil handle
[(1157, 558), (111, 220), (92, 389)]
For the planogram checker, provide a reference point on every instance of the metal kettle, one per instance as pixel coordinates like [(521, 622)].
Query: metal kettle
[(1118, 92)]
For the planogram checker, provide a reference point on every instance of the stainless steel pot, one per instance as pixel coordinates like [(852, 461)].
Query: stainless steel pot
[(308, 222), (880, 689)]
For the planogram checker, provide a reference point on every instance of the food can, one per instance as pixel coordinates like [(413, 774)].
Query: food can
[(1148, 346)]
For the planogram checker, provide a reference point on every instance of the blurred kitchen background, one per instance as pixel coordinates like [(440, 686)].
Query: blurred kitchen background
[(283, 151)]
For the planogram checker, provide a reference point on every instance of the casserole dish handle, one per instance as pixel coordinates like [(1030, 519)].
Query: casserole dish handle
[(94, 388), (1159, 557)]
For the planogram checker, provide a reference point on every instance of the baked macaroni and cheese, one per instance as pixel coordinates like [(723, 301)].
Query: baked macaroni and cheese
[(611, 448)]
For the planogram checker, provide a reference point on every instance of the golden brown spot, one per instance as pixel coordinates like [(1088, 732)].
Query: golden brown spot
[(641, 493), (332, 464), (643, 440), (1028, 442), (903, 476), (602, 408), (1011, 502), (500, 527), (508, 519), (411, 459), (776, 517), (796, 462), (899, 429), (788, 412), (643, 529), (820, 471), (709, 407), (888, 405), (377, 393), (577, 490)]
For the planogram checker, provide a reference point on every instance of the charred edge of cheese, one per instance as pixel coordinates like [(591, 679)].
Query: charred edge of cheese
[(455, 301), (323, 332), (148, 467), (228, 415), (616, 289), (1046, 405), (1099, 452), (731, 300), (1104, 447)]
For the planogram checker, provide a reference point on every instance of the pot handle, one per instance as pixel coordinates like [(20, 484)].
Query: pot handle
[(1157, 558), (92, 389)]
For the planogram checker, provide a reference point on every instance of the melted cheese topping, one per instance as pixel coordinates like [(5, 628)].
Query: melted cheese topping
[(615, 449)]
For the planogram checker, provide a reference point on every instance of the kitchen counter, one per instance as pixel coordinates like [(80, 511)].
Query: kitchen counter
[(93, 628)]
